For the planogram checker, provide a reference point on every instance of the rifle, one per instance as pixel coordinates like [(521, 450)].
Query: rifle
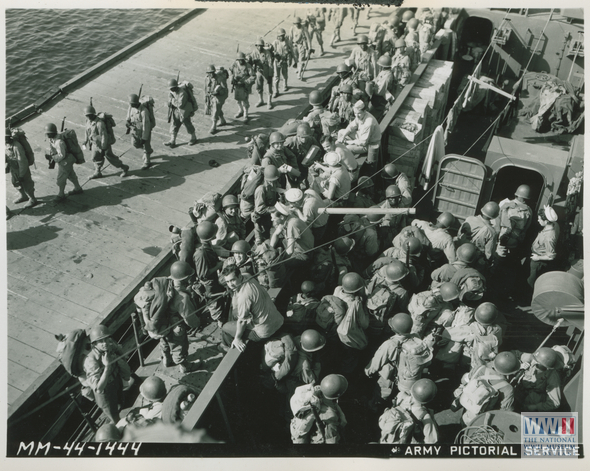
[(304, 67), (129, 124), (208, 105), (90, 101), (63, 123), (170, 107), (520, 373), (408, 254)]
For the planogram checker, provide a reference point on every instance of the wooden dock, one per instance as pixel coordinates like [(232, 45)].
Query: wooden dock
[(68, 263)]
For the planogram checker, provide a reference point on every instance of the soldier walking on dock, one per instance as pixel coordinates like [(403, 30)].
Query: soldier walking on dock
[(65, 161), (300, 41), (182, 111), (139, 120), (283, 57), (242, 79), (99, 142), (261, 60), (215, 96), (18, 166)]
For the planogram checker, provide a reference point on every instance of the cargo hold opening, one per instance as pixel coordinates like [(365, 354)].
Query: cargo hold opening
[(510, 177)]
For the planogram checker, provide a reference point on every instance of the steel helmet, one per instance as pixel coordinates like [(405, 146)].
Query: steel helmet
[(229, 201), (89, 110), (524, 191), (384, 60), (392, 191), (333, 386), (401, 42), (346, 88), (312, 340), (153, 389), (352, 282), (307, 287), (467, 253), (297, 21), (491, 209), (414, 245), (134, 99), (303, 130), (546, 357), (293, 195), (394, 20), (241, 246), (180, 271), (343, 245), (365, 182), (374, 218), (363, 39), (271, 173), (407, 15), (396, 271), (206, 230), (449, 291), (241, 56), (343, 69), (276, 137), (506, 363), (99, 332), (413, 23), (259, 42), (108, 433), (486, 313), (424, 390), (445, 219), (211, 69), (401, 323), (50, 128), (281, 32), (390, 171), (172, 83), (315, 98)]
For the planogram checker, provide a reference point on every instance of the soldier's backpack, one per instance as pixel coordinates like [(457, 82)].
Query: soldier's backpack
[(109, 122), (70, 349), (71, 141), (414, 357), (189, 89), (252, 179), (19, 136), (324, 272), (222, 77), (396, 426), (148, 102), (479, 395)]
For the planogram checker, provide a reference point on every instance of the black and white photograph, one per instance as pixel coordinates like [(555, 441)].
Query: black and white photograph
[(264, 230)]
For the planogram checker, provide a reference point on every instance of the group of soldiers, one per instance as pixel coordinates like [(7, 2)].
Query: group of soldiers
[(380, 303)]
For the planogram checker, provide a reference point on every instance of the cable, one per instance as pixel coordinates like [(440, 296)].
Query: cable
[(479, 435)]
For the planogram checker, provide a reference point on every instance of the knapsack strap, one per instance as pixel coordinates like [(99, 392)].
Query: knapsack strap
[(499, 385)]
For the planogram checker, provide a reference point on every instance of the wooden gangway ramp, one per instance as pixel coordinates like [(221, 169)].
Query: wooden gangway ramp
[(68, 263)]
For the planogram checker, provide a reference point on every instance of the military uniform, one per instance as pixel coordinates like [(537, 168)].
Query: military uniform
[(265, 197), (141, 125), (316, 23), (300, 43), (65, 166), (242, 79), (401, 65), (481, 233), (337, 15), (365, 62), (283, 56), (98, 140), (20, 173), (216, 92), (206, 266), (263, 65)]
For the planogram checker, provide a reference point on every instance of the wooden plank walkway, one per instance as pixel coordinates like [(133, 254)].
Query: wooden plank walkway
[(68, 263)]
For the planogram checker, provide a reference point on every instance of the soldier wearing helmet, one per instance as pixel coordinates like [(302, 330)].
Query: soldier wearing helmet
[(347, 159), (99, 143), (153, 392), (230, 226), (482, 230), (108, 432), (257, 317), (428, 306), (240, 257), (399, 360), (392, 223), (308, 344), (283, 159), (17, 165), (262, 59), (242, 78), (65, 160), (401, 64), (315, 22), (441, 241), (265, 197), (343, 104), (382, 88), (348, 80), (497, 374), (515, 219), (300, 145), (167, 307), (364, 195), (467, 255), (140, 124), (486, 336), (363, 134), (340, 250), (539, 390), (392, 175), (105, 371), (408, 250), (215, 95), (363, 60), (543, 252), (279, 358), (300, 41), (366, 240), (301, 308), (283, 58), (182, 110)]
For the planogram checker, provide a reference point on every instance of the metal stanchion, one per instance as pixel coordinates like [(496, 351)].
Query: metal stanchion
[(136, 335), (90, 422)]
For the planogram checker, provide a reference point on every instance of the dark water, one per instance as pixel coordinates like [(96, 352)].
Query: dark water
[(45, 48)]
